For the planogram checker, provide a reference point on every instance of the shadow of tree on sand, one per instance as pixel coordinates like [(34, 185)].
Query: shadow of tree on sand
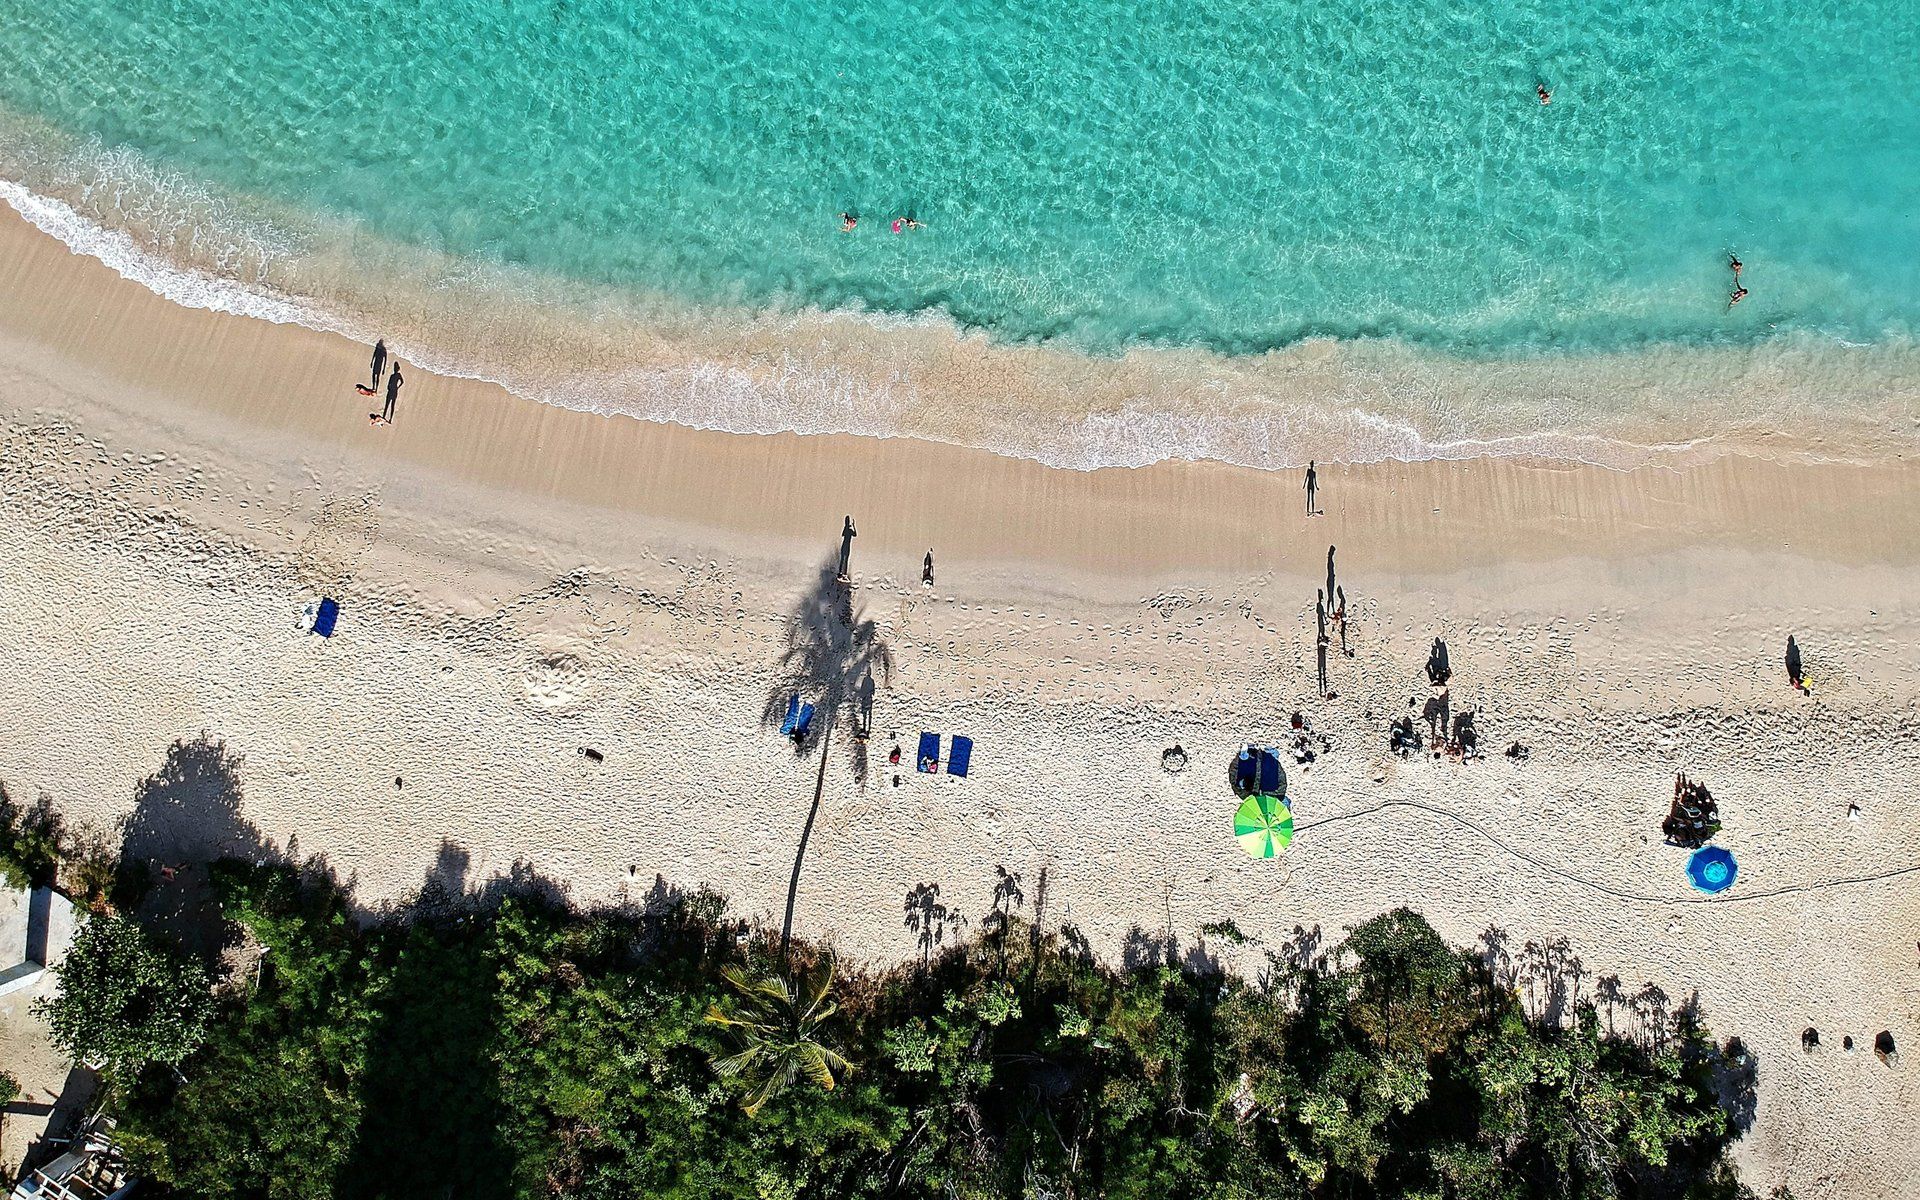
[(434, 1037), (832, 655), (185, 816)]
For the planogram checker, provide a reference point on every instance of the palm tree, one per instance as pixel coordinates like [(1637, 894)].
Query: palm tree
[(836, 654), (779, 1033)]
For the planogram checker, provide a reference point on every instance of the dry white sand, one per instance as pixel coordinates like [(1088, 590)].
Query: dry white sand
[(518, 582)]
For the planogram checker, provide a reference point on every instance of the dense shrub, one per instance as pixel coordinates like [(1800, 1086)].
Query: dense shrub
[(522, 1050)]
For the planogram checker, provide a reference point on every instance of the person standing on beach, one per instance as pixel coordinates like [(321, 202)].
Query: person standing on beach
[(1320, 640), (1313, 486), (847, 534), (379, 363), (1340, 620), (393, 394), (1330, 589), (926, 571)]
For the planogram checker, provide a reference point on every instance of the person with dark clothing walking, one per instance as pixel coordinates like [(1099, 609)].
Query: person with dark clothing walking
[(379, 363), (926, 571), (1313, 486), (1330, 591)]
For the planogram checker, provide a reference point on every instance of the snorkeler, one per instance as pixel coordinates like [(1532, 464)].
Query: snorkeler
[(1540, 90), (1739, 294), (1734, 262), (847, 222)]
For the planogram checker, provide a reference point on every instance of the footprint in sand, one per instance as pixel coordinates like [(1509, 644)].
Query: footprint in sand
[(343, 531), (558, 683)]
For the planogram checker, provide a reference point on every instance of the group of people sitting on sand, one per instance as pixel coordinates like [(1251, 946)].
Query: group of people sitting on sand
[(1694, 817), (1448, 733)]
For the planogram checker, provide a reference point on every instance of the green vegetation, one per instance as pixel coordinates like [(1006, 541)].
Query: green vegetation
[(522, 1050), (126, 1000), (779, 1033), (29, 843)]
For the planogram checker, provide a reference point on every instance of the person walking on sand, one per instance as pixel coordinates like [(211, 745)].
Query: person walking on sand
[(1340, 619), (926, 571), (1330, 588), (1313, 487), (379, 363)]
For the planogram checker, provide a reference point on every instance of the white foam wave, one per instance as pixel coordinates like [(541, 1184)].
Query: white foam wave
[(800, 394)]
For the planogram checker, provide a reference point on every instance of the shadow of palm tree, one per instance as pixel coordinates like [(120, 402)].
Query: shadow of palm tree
[(832, 657)]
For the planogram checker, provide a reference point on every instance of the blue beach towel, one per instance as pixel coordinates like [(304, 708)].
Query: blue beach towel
[(960, 755), (325, 616), (793, 715), (928, 760), (803, 723)]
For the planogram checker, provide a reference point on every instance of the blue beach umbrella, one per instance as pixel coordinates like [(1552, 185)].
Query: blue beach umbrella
[(1712, 869)]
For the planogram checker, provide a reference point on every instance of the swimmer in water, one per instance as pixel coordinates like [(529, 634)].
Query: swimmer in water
[(1736, 264), (1739, 294), (1540, 90), (847, 222), (911, 223)]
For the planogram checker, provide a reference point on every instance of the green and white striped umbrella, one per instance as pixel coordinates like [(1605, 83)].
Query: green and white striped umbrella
[(1264, 825)]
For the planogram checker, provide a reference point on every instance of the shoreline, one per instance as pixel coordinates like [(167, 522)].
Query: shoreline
[(519, 580), (290, 385), (1374, 401)]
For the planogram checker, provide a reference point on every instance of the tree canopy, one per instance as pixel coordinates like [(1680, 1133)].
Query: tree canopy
[(523, 1050), (126, 1000)]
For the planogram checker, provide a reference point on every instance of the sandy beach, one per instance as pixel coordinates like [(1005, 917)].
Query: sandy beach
[(518, 581)]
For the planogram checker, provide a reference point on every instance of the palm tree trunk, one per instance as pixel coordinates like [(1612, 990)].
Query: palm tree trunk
[(793, 887)]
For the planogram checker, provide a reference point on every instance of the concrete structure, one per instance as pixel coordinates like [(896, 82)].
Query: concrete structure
[(36, 928)]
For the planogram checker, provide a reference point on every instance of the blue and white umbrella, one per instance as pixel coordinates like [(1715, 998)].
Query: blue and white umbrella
[(1712, 869)]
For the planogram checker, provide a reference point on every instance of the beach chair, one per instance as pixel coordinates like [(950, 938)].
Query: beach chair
[(959, 755), (928, 759), (325, 616), (793, 715)]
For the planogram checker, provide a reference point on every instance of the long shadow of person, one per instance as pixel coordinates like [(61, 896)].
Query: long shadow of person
[(1793, 662), (393, 394)]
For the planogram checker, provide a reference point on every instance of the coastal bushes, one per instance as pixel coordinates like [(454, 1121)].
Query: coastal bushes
[(519, 1049)]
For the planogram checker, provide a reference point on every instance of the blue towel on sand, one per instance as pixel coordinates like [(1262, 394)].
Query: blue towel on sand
[(803, 723), (793, 715), (960, 754), (928, 760), (325, 616)]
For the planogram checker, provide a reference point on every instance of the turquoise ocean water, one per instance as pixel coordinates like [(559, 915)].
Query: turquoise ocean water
[(1104, 174)]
